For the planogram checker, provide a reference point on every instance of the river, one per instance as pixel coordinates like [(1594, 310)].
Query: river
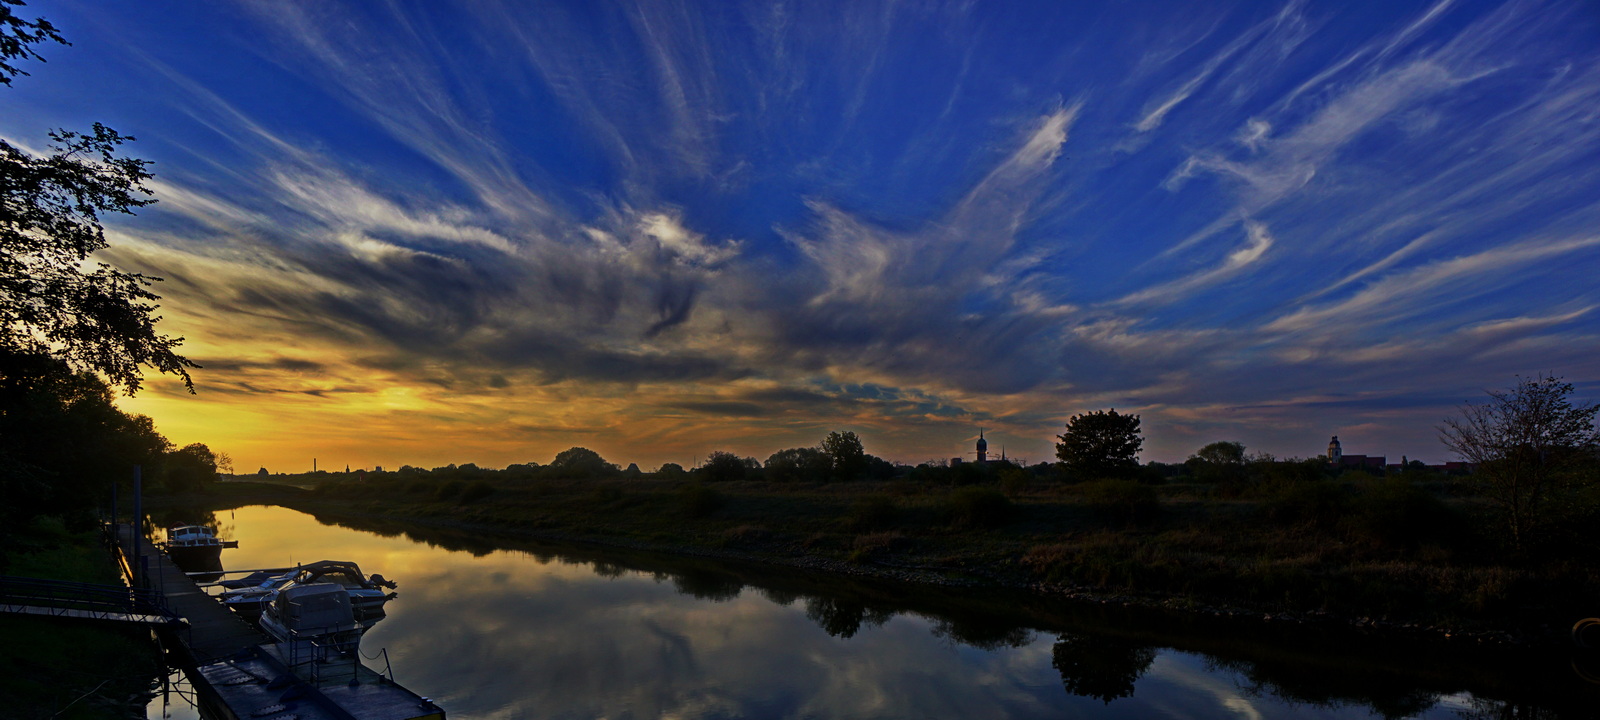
[(516, 630)]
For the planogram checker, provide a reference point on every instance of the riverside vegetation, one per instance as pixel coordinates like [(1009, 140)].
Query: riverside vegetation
[(1293, 538), (1503, 553)]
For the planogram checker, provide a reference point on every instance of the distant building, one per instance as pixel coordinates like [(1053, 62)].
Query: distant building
[(1365, 462), (1337, 458), (983, 448)]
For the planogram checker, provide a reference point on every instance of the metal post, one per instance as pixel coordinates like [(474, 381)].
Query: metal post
[(138, 522)]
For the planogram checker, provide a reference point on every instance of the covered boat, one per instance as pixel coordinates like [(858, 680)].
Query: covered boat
[(315, 621), (367, 594), (194, 547)]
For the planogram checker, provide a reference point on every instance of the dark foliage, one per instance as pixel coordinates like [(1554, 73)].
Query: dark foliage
[(848, 458), (722, 467), (1535, 453), (976, 506), (16, 38), (799, 464), (1122, 501), (579, 462), (1099, 666), (1100, 444), (698, 501), (873, 512), (476, 491)]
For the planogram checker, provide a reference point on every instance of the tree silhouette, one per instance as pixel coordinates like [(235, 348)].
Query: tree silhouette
[(1100, 444), (1529, 444), (848, 457), (51, 304), (1100, 666)]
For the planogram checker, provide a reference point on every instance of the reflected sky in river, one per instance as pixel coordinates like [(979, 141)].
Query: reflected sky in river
[(509, 634)]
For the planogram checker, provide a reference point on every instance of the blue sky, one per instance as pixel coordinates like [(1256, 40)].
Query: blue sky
[(419, 233)]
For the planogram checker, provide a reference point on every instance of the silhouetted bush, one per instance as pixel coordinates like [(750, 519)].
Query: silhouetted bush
[(1014, 479), (476, 491), (722, 467), (1125, 501), (872, 511), (1319, 504), (977, 507), (1396, 513), (449, 490), (698, 500)]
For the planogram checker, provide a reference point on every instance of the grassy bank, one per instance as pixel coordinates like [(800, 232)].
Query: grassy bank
[(58, 668), (1370, 551)]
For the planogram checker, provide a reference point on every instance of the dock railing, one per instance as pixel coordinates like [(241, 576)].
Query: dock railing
[(85, 600)]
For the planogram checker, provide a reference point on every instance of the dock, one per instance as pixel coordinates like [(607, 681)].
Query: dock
[(213, 631), (240, 672)]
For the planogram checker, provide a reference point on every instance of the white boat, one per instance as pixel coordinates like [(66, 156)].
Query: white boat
[(314, 621), (194, 546), (367, 594)]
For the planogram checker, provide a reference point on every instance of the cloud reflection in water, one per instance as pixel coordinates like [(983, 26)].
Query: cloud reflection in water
[(508, 634)]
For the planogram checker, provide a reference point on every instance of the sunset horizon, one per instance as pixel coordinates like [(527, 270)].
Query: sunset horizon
[(417, 235)]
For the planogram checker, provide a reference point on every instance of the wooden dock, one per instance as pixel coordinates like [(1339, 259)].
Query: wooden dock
[(240, 672), (213, 631)]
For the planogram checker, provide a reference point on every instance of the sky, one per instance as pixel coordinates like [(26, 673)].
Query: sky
[(427, 233)]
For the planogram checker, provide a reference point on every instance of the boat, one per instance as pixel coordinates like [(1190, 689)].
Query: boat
[(248, 596), (315, 621), (195, 547)]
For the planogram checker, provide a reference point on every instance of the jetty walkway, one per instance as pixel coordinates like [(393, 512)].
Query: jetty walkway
[(213, 632), (240, 673)]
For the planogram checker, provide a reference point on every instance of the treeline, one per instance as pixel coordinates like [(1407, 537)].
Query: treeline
[(64, 443)]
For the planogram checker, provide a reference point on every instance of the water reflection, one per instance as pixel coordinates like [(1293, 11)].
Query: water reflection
[(1099, 666), (508, 628)]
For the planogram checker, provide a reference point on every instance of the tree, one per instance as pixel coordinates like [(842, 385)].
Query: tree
[(16, 37), (579, 462), (844, 451), (1100, 444), (63, 441), (1218, 462), (1100, 666), (799, 464), (100, 320), (1531, 446), (192, 467), (723, 466)]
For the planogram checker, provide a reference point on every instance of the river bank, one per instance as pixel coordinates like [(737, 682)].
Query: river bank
[(1245, 559), (68, 668)]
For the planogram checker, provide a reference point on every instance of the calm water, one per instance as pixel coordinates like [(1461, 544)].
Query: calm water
[(589, 633)]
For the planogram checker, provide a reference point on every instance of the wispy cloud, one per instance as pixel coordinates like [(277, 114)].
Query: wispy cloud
[(759, 221)]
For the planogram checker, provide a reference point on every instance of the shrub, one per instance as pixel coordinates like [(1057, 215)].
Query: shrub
[(866, 547), (1318, 504), (1397, 514), (873, 511), (698, 500), (977, 507), (476, 491), (722, 467), (1014, 480), (449, 490), (1125, 501)]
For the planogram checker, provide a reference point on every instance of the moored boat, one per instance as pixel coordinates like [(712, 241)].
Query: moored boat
[(367, 594), (194, 547), (313, 620)]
